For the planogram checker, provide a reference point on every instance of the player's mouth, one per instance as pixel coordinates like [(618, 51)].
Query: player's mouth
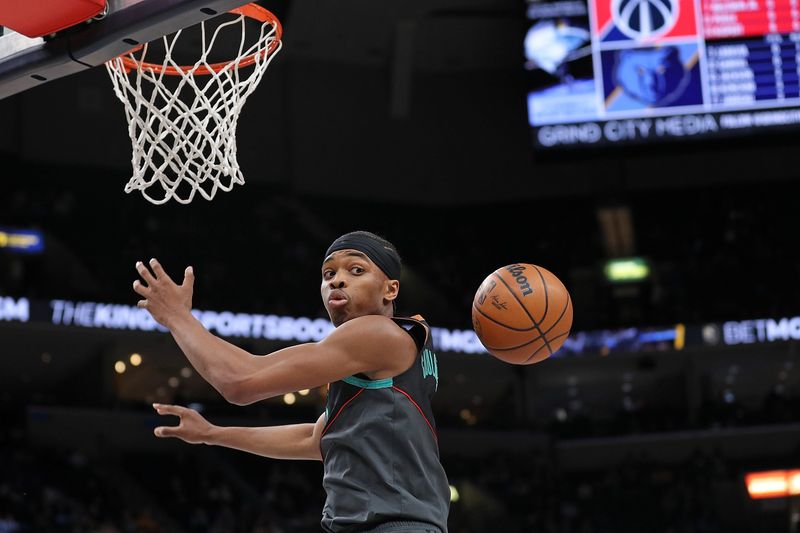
[(337, 298)]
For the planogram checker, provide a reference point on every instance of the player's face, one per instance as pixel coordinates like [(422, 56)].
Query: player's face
[(353, 286)]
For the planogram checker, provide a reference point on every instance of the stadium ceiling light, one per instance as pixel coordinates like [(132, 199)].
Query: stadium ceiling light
[(289, 398), (136, 359), (627, 270), (119, 367)]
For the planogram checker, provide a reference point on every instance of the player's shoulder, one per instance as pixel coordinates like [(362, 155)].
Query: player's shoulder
[(372, 325), (373, 336), (370, 320), (381, 322), (382, 329)]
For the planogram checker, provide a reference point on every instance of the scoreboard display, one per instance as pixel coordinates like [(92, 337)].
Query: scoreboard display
[(619, 71)]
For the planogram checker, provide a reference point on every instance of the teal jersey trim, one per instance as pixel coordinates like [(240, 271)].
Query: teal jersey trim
[(367, 384)]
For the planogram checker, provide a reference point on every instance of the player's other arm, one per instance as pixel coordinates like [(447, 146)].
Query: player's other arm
[(296, 441), (359, 345)]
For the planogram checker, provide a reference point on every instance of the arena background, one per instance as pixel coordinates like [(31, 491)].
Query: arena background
[(406, 119)]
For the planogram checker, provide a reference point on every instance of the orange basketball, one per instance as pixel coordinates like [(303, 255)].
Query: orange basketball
[(522, 313)]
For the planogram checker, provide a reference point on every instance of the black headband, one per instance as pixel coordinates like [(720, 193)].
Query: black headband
[(383, 256)]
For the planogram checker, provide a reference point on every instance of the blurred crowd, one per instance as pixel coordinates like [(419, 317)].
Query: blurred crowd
[(221, 491), (56, 489), (48, 486), (724, 411), (532, 493), (62, 491)]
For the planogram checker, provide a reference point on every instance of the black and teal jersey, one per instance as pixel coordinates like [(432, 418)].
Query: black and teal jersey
[(380, 447)]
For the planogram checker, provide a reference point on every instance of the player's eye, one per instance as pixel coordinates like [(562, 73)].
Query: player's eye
[(328, 274), (357, 270)]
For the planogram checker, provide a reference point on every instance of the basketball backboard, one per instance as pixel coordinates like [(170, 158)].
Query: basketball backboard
[(26, 62)]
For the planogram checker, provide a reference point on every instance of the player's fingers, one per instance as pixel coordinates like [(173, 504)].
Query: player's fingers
[(140, 288), (165, 409), (188, 277), (159, 270), (166, 431), (143, 271), (142, 304)]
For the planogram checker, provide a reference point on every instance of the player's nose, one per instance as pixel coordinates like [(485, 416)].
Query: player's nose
[(336, 283)]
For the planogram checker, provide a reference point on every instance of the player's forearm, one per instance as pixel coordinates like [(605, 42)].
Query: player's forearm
[(277, 442), (217, 361)]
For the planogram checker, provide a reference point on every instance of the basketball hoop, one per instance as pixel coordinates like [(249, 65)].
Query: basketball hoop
[(182, 119)]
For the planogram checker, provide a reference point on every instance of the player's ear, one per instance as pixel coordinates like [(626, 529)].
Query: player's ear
[(391, 290)]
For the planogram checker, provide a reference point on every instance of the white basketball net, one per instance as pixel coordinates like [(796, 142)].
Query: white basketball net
[(183, 127)]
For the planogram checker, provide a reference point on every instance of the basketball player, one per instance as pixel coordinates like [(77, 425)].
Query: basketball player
[(377, 439)]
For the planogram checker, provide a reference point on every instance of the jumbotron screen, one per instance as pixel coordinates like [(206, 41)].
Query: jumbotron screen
[(618, 71)]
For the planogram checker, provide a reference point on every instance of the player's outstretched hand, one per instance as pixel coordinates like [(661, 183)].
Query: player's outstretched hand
[(192, 428), (164, 298)]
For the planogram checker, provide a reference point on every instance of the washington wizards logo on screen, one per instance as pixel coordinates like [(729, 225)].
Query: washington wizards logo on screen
[(644, 21)]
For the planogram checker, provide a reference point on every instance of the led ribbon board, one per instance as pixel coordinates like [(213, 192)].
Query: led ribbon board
[(98, 315)]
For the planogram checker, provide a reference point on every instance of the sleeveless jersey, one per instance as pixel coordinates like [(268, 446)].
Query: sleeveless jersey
[(380, 449)]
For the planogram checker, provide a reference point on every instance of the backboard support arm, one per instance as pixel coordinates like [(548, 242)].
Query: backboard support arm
[(26, 63)]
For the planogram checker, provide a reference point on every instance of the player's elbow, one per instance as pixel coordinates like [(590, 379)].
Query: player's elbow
[(310, 449), (314, 454), (234, 395), (233, 384), (236, 399), (240, 392)]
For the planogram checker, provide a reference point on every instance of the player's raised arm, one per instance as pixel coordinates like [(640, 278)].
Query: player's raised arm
[(358, 345), (296, 441), (170, 305)]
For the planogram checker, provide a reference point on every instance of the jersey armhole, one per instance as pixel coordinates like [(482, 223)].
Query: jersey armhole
[(415, 327)]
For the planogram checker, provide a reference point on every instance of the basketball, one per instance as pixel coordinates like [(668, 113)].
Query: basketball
[(522, 313)]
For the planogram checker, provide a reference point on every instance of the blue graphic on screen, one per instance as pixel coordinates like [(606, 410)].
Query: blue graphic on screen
[(549, 45), (654, 77), (572, 101), (557, 46), (642, 78)]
